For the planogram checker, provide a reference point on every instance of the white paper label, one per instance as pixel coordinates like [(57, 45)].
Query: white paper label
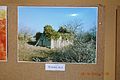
[(55, 67)]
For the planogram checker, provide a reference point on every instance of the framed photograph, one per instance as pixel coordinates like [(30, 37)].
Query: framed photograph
[(3, 33), (57, 34)]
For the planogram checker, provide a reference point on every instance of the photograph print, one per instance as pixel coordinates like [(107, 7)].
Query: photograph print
[(3, 33), (57, 34)]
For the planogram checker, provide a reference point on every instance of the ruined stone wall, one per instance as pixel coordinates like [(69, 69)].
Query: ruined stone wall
[(60, 43)]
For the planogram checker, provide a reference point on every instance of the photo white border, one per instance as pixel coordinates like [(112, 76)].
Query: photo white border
[(97, 25)]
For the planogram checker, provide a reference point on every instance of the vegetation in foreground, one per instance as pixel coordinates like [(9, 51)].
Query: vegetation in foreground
[(83, 49)]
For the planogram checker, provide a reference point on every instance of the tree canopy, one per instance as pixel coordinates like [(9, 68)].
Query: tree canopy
[(49, 32)]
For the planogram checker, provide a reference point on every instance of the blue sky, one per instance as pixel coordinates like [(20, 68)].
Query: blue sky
[(35, 18)]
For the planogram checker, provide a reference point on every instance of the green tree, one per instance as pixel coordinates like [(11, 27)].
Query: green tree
[(50, 32), (55, 35)]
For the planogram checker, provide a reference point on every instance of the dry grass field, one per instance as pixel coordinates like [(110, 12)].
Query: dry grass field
[(27, 52)]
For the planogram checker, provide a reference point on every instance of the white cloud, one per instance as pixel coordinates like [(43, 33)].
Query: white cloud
[(73, 15)]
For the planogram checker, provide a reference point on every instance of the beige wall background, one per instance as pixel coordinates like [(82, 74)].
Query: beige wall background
[(12, 70)]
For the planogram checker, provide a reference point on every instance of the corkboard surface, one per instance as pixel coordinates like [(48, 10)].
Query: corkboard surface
[(12, 70)]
